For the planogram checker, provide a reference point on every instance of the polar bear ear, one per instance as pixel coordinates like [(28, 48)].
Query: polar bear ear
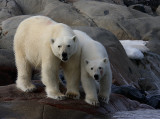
[(52, 40), (74, 38), (105, 60), (86, 61)]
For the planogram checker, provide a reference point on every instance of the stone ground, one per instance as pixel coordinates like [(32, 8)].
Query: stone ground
[(107, 21), (138, 114)]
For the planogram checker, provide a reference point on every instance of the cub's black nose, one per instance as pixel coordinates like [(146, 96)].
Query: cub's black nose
[(64, 55), (96, 76)]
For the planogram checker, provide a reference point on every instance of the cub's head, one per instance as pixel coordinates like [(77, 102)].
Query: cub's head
[(96, 68), (64, 44)]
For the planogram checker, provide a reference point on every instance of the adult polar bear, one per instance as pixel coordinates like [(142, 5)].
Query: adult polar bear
[(95, 65), (40, 42)]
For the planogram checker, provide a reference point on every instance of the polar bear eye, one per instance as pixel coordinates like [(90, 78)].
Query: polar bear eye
[(91, 68), (59, 46), (100, 67), (68, 46)]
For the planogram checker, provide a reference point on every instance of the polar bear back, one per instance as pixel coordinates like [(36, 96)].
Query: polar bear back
[(91, 49), (30, 36)]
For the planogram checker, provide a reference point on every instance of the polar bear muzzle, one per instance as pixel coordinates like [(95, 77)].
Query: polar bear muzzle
[(96, 77), (64, 56)]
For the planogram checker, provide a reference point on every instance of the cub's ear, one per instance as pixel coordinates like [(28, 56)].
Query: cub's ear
[(52, 40), (74, 38), (86, 61), (105, 60)]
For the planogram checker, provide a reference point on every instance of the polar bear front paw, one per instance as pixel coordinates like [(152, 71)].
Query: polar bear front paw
[(93, 102), (26, 87), (58, 96), (73, 95), (103, 99)]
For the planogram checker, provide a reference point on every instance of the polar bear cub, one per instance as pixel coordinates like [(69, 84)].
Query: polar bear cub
[(95, 66), (42, 43)]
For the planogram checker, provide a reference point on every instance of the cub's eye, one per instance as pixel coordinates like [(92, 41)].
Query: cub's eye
[(59, 46), (91, 68), (68, 46), (100, 67)]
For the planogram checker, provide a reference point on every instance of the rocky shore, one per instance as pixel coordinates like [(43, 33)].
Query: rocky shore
[(136, 83)]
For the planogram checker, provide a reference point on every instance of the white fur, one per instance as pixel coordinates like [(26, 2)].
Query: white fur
[(94, 55), (36, 46)]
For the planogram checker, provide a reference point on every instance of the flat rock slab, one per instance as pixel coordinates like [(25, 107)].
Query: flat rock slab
[(138, 114), (17, 104)]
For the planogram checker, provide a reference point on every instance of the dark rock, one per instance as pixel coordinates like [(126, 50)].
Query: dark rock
[(8, 71), (152, 3), (130, 2), (154, 101), (151, 93), (149, 68), (139, 7), (65, 1), (147, 84), (130, 92), (142, 8)]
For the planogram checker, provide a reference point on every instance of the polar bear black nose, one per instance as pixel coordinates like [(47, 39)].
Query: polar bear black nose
[(64, 54), (96, 76)]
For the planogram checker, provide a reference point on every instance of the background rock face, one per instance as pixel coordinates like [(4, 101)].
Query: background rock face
[(107, 21), (108, 15), (9, 27), (9, 8)]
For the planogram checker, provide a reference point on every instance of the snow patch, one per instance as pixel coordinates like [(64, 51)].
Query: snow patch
[(134, 48)]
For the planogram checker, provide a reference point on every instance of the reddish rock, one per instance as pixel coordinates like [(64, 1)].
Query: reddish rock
[(10, 94)]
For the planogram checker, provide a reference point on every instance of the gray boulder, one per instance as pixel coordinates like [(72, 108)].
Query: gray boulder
[(65, 13), (158, 10), (8, 30), (59, 11), (108, 15), (8, 8), (138, 28), (31, 6)]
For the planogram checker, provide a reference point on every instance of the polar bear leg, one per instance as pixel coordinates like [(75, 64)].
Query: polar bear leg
[(24, 73), (72, 76), (73, 82), (50, 78), (105, 87), (89, 87)]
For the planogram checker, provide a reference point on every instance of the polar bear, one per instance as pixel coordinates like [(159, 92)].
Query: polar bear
[(42, 43), (95, 66)]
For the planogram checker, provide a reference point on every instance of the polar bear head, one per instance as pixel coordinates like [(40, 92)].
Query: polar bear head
[(96, 68), (64, 43)]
